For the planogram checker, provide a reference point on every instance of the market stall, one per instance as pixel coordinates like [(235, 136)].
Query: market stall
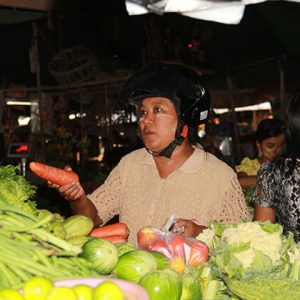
[(47, 256)]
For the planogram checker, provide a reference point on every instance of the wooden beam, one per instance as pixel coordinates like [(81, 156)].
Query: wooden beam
[(43, 5), (231, 92), (110, 82), (69, 86)]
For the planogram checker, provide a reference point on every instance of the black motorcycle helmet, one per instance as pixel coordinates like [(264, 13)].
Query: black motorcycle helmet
[(181, 85)]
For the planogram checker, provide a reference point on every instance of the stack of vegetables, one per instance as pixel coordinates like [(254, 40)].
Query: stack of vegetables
[(30, 243), (251, 260)]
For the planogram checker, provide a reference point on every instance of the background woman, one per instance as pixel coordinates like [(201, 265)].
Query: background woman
[(277, 193), (269, 140)]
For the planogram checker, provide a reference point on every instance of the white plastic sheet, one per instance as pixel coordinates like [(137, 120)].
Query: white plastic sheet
[(221, 11)]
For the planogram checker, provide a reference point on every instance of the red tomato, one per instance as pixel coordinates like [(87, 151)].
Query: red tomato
[(198, 253), (146, 236), (177, 244), (161, 246)]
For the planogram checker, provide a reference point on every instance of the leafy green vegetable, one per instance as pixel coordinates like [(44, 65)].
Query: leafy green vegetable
[(249, 247), (212, 285), (15, 190), (264, 288), (253, 260)]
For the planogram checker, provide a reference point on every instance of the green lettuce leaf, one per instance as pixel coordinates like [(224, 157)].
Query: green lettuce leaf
[(15, 190)]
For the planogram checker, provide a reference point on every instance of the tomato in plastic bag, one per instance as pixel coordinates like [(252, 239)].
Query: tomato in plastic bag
[(182, 251)]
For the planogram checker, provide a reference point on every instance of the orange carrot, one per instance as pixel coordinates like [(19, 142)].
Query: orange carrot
[(53, 174), (116, 229), (116, 239)]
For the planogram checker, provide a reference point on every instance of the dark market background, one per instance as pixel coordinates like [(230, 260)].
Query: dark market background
[(72, 57)]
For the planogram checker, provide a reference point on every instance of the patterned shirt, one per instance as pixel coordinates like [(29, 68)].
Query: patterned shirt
[(203, 188), (278, 187)]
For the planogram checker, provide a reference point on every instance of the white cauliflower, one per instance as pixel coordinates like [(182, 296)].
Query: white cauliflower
[(207, 236), (269, 243)]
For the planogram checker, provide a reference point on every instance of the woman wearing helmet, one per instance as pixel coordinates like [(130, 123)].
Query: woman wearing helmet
[(172, 174)]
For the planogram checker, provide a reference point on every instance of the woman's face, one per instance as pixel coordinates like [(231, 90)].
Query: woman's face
[(158, 123), (271, 148)]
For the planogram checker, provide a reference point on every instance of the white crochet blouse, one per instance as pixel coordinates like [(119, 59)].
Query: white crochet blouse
[(203, 188)]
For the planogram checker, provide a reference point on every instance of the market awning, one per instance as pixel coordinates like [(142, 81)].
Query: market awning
[(223, 11)]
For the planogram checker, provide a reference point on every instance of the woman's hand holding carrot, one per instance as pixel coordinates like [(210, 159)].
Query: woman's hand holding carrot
[(66, 181), (70, 191)]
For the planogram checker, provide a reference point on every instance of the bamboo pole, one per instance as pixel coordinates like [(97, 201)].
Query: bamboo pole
[(282, 88), (39, 89), (236, 139)]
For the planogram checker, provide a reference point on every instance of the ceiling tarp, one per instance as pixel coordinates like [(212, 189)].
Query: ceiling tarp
[(222, 11)]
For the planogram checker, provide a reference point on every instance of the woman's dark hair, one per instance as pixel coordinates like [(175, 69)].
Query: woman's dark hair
[(268, 128), (292, 123), (293, 127)]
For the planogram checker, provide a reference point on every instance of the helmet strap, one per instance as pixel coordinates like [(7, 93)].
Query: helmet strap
[(181, 134)]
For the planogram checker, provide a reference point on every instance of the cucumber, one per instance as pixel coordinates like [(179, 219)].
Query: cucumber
[(78, 225)]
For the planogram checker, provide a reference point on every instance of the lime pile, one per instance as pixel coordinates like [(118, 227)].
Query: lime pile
[(41, 288)]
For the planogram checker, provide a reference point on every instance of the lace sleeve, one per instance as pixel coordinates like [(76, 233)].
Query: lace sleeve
[(106, 198), (265, 186), (234, 208)]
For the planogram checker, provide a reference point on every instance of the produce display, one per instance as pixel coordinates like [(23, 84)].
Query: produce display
[(32, 241), (28, 250), (61, 258), (252, 260)]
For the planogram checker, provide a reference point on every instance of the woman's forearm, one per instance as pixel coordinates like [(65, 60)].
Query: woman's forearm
[(264, 214), (246, 181), (84, 206)]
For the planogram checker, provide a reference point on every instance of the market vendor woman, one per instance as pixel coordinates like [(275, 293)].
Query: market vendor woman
[(172, 174)]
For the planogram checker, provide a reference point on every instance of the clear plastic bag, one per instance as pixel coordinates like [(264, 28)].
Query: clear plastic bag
[(182, 251)]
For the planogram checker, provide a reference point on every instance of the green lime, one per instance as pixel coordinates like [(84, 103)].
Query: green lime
[(10, 294), (37, 288), (83, 292), (108, 290), (61, 293)]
